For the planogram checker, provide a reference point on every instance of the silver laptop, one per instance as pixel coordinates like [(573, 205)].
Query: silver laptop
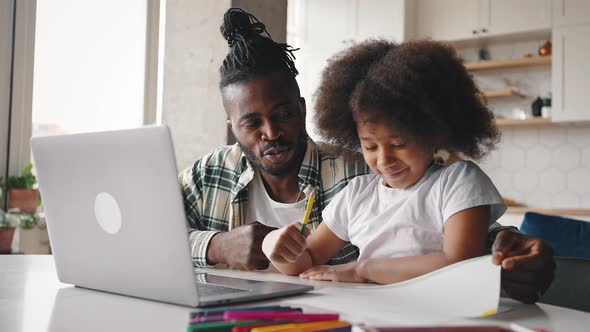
[(116, 220)]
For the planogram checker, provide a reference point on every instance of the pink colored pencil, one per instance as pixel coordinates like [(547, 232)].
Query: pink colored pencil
[(295, 316)]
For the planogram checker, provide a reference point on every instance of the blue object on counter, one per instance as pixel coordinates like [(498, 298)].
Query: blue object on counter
[(568, 237)]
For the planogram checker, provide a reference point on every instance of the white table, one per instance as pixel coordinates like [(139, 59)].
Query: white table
[(32, 299)]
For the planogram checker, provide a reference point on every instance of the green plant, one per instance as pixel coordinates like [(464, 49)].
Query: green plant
[(13, 218), (26, 180), (27, 221)]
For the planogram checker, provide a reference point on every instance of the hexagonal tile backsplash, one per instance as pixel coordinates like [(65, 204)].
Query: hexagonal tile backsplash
[(543, 167)]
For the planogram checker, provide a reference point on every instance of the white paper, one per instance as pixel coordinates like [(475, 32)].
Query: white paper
[(469, 288)]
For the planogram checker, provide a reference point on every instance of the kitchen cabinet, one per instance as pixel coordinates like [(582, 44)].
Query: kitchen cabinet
[(571, 73), (326, 27), (323, 28), (383, 19), (447, 20), (510, 16), (330, 22), (570, 12), (453, 20)]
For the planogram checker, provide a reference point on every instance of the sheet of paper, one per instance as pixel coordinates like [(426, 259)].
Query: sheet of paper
[(469, 288)]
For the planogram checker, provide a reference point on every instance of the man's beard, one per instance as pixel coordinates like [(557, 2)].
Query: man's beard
[(300, 148)]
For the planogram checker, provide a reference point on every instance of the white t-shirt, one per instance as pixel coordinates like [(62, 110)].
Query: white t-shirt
[(387, 222), (265, 210)]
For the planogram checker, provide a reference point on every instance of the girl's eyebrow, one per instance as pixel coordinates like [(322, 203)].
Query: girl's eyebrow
[(364, 138)]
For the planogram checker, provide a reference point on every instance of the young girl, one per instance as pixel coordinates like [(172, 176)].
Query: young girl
[(404, 106)]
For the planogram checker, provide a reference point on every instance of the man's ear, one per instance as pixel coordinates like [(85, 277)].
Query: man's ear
[(229, 125), (302, 105)]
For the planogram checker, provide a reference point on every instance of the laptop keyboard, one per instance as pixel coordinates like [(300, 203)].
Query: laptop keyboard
[(210, 290)]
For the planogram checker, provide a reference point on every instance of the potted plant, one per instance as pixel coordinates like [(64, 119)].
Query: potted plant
[(6, 233), (32, 234), (20, 191)]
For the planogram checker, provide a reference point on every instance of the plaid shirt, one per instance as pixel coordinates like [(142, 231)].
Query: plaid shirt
[(215, 191)]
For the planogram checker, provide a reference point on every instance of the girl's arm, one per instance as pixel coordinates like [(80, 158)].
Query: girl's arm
[(464, 237), (291, 254)]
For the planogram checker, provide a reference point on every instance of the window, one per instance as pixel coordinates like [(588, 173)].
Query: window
[(89, 66)]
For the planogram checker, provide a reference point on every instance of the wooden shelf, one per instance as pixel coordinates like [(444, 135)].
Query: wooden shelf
[(513, 63), (525, 122), (560, 212), (502, 93)]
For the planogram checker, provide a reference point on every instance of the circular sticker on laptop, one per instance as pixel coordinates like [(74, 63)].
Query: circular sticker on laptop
[(107, 212)]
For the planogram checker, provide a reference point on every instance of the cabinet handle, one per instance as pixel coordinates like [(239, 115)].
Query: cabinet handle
[(474, 32), (484, 30)]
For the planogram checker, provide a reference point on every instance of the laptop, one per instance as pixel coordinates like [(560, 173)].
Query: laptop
[(116, 221)]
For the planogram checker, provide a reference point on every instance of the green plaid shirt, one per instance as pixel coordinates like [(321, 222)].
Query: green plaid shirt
[(215, 191)]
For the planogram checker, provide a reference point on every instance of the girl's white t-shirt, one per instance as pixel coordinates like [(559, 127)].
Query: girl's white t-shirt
[(386, 222)]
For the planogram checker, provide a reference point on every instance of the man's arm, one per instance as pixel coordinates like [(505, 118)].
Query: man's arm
[(210, 241), (199, 233)]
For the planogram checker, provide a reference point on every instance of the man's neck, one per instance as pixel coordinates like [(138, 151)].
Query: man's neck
[(282, 188)]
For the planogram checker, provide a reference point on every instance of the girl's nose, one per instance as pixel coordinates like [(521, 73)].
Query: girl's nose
[(386, 159)]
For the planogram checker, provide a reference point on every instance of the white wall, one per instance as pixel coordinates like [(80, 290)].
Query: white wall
[(194, 50), (191, 103), (273, 13)]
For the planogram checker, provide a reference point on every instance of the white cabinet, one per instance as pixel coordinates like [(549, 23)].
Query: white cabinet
[(325, 27), (468, 19), (515, 16), (447, 20), (570, 12), (382, 19), (346, 21), (571, 73), (321, 28)]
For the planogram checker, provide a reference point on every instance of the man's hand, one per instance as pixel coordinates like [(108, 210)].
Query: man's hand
[(527, 265), (240, 248)]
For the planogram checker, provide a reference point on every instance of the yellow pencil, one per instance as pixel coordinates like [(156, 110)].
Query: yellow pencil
[(308, 211)]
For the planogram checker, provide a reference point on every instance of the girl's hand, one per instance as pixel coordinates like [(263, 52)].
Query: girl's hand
[(284, 245), (342, 273)]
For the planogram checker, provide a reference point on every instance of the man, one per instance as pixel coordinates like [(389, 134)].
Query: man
[(237, 194)]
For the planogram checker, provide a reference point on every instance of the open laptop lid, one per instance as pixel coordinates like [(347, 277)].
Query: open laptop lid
[(114, 212)]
